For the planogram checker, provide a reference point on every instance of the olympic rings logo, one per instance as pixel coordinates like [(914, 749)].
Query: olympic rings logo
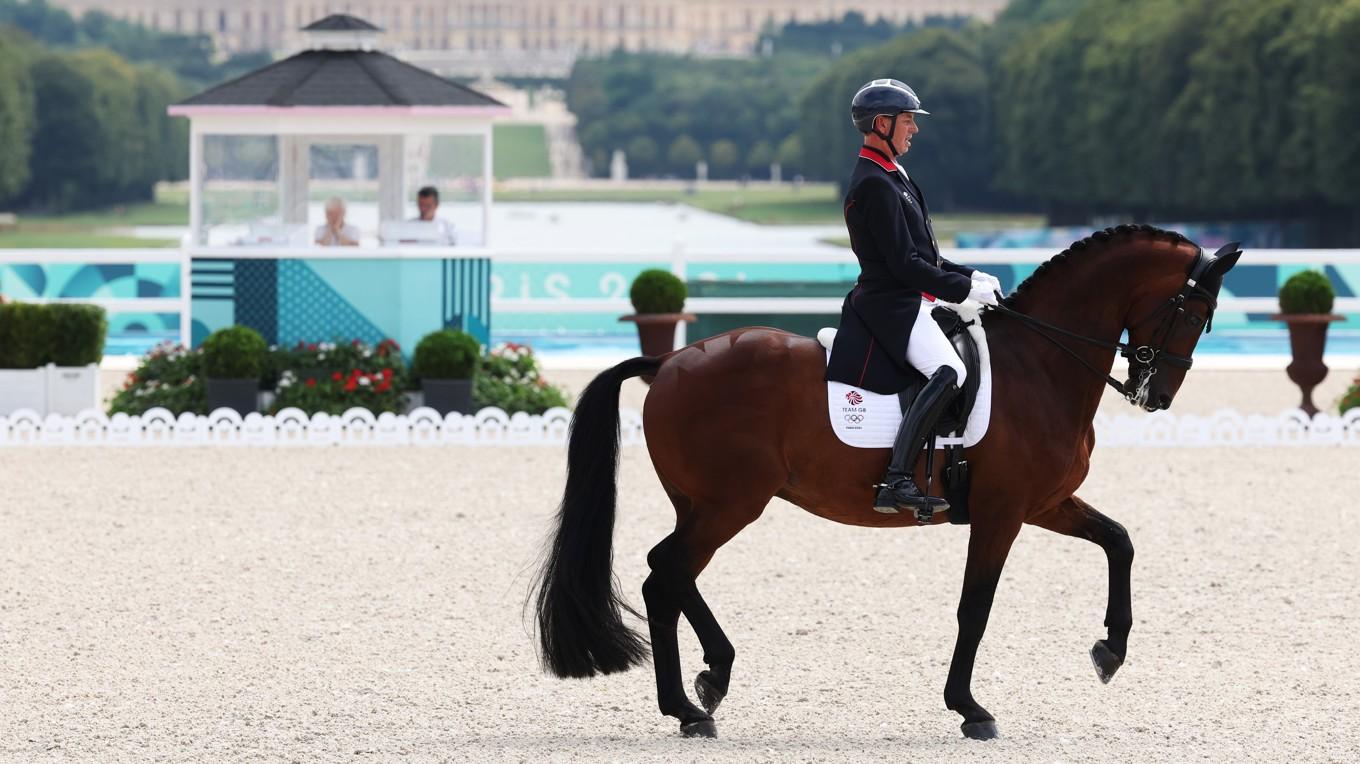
[(854, 418)]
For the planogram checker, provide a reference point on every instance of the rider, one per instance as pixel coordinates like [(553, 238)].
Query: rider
[(901, 274)]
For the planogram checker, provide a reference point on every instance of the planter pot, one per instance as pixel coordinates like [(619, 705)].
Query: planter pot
[(240, 395), (72, 389), (1307, 340), (23, 389), (656, 331), (445, 395)]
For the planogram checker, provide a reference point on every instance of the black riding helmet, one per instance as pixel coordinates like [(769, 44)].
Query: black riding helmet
[(883, 98)]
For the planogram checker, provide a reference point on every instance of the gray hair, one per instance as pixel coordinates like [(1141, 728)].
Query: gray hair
[(335, 203)]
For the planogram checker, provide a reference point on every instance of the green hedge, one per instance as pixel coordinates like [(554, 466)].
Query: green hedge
[(236, 352), (1307, 292), (65, 334), (657, 291), (447, 354)]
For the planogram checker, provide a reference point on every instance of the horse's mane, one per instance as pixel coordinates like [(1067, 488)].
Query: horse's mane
[(1097, 240)]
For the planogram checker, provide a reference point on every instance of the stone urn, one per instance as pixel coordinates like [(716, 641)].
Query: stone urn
[(1307, 340), (656, 332)]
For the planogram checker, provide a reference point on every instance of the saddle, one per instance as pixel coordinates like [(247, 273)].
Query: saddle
[(954, 418)]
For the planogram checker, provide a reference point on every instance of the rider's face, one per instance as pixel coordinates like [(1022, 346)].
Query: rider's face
[(901, 136)]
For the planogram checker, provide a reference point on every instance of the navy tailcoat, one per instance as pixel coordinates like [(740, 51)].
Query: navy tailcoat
[(899, 261)]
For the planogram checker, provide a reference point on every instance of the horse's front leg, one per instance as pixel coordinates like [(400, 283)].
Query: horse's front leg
[(988, 545), (1075, 517)]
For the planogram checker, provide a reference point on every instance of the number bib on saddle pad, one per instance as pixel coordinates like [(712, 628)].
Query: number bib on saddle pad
[(866, 419)]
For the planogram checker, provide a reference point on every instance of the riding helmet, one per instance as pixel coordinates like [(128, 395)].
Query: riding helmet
[(883, 97)]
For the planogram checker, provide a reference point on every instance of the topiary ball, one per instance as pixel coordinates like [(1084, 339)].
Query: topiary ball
[(657, 291), (236, 352), (1307, 292), (447, 354)]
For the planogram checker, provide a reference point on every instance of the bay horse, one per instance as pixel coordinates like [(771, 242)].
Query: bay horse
[(736, 419)]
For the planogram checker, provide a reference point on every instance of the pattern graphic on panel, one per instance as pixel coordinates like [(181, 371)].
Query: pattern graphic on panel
[(310, 310), (257, 297), (25, 281), (466, 296)]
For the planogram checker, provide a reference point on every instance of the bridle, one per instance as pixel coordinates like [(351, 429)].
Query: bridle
[(1144, 360)]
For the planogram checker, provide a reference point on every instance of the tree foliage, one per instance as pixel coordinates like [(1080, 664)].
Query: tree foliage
[(16, 116)]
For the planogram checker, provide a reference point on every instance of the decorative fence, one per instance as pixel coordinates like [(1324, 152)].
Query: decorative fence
[(493, 427)]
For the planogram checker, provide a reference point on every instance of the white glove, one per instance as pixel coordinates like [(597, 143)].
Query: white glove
[(988, 279), (982, 293)]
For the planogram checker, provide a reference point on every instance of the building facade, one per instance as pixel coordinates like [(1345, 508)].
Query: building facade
[(523, 37)]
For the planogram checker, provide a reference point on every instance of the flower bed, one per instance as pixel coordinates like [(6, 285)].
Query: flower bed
[(333, 377), (511, 380)]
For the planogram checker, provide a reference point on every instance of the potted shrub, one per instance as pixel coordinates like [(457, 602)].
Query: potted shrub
[(76, 335), (446, 362), (1306, 308), (658, 296), (233, 361), (23, 334)]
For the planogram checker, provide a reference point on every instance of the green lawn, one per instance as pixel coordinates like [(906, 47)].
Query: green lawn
[(520, 151), (811, 205), (95, 229)]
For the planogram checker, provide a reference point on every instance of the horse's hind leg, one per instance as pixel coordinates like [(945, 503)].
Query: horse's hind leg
[(669, 590), (1075, 517)]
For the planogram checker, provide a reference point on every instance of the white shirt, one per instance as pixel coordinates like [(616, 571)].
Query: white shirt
[(324, 237), (447, 236)]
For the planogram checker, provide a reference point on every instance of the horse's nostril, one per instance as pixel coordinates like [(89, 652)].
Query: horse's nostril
[(1164, 401)]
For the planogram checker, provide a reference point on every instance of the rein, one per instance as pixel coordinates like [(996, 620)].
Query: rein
[(1145, 356)]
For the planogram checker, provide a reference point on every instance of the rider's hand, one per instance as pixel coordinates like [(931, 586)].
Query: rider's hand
[(988, 279), (983, 293)]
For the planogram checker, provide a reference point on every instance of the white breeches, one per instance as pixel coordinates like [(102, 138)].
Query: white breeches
[(929, 349)]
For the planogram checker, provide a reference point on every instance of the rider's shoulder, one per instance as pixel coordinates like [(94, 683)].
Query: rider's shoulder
[(873, 183)]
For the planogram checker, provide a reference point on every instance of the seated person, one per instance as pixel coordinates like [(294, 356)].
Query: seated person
[(427, 201), (335, 233)]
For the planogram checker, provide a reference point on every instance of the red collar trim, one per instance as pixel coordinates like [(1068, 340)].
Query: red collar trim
[(878, 159)]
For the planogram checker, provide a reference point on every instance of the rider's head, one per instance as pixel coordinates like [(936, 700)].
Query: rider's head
[(885, 111)]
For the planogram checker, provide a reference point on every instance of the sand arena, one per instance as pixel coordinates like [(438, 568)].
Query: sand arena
[(365, 604)]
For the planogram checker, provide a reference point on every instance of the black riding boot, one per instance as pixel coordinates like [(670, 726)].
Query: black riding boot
[(898, 490)]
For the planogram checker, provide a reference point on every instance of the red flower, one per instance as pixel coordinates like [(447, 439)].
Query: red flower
[(312, 347), (350, 385), (383, 386), (337, 376), (311, 382), (387, 372), (356, 343)]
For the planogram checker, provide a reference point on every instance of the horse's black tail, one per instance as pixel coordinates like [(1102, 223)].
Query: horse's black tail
[(580, 624)]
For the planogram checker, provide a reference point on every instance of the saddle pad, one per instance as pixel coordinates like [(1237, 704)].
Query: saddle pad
[(869, 420)]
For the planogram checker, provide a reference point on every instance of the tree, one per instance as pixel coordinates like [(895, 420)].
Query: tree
[(644, 158), (16, 117), (683, 155), (790, 155), (723, 158), (759, 159)]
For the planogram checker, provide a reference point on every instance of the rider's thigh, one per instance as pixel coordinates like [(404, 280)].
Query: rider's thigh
[(929, 350)]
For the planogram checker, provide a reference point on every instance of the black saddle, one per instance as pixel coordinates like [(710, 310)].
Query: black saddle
[(955, 417)]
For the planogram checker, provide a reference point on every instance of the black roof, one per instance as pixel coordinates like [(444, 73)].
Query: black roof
[(340, 78), (340, 22)]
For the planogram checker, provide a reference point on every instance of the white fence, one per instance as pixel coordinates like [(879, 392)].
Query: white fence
[(493, 427)]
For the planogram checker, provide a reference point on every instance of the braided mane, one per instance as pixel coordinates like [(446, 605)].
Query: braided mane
[(1098, 239)]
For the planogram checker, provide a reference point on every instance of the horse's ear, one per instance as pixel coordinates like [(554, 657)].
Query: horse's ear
[(1223, 261)]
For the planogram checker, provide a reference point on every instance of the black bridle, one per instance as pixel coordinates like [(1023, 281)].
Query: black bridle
[(1144, 360)]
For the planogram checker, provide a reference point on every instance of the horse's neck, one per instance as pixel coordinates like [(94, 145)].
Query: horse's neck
[(1086, 300)]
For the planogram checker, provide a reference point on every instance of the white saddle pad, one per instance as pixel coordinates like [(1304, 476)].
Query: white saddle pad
[(870, 420)]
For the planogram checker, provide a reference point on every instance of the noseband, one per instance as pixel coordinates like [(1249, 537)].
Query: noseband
[(1144, 360)]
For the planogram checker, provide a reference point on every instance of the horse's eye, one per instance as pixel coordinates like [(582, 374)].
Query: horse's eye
[(1194, 320)]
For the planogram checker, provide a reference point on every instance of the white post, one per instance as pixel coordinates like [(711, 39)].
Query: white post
[(195, 235), (487, 178), (679, 268), (195, 185)]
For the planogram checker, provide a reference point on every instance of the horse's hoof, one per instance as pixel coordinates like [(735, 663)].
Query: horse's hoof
[(707, 690), (985, 730), (1105, 661), (701, 728)]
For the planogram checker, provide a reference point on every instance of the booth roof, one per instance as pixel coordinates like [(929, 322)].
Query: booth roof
[(341, 78), (340, 22)]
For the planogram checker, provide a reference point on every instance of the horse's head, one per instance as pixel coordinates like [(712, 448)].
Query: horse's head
[(1166, 322)]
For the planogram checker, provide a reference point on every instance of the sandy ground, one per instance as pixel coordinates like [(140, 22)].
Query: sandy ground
[(365, 605)]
